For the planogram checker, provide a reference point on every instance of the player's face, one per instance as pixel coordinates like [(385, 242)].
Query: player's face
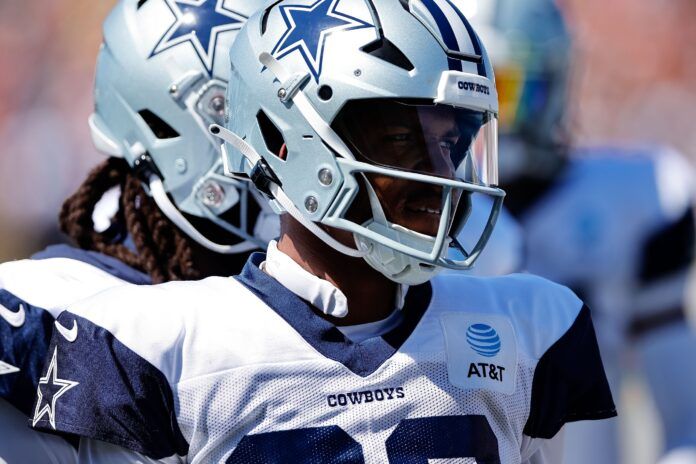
[(420, 139)]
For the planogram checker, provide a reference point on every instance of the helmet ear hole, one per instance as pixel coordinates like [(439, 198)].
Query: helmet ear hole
[(325, 92), (140, 3), (161, 129), (272, 137)]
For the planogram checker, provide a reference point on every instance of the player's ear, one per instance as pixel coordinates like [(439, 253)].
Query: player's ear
[(283, 154)]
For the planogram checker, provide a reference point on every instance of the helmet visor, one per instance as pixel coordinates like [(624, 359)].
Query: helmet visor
[(437, 140)]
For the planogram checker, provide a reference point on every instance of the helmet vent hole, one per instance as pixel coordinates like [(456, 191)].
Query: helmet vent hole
[(325, 92), (140, 3), (272, 136), (264, 18), (387, 51), (161, 129)]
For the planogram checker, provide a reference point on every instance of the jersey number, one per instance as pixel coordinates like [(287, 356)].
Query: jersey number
[(414, 441)]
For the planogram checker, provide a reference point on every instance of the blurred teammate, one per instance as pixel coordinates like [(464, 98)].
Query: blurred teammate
[(616, 224), (146, 215), (369, 125)]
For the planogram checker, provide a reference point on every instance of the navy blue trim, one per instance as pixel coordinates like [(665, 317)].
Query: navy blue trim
[(106, 263), (361, 358), (478, 49), (120, 397), (446, 32), (569, 382), (25, 348)]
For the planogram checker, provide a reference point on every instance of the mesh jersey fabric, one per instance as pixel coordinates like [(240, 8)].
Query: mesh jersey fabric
[(242, 370)]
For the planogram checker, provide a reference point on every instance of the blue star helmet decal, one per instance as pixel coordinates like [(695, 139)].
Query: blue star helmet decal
[(308, 28), (199, 22)]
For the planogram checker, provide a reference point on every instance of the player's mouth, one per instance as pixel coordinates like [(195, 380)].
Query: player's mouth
[(424, 209), (422, 212)]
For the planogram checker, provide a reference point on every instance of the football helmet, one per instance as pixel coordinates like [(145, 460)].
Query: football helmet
[(160, 81), (334, 99), (531, 50)]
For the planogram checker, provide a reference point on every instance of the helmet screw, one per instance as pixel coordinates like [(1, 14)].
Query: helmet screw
[(311, 204), (282, 93), (180, 165), (173, 89), (325, 176), (357, 73), (213, 194)]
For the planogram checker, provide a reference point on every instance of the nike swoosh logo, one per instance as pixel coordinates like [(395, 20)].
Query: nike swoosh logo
[(6, 368), (69, 334), (15, 319)]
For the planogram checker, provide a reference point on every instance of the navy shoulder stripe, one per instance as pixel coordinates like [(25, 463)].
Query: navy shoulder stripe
[(569, 382), (101, 261), (24, 340), (94, 386)]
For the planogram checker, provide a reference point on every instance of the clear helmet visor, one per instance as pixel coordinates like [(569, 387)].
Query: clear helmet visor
[(436, 140), (418, 165)]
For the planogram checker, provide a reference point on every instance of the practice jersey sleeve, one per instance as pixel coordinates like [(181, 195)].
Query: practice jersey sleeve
[(24, 336), (32, 292), (569, 382), (94, 386)]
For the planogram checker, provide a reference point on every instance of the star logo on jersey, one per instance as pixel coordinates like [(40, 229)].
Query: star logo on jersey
[(308, 28), (199, 23), (51, 388)]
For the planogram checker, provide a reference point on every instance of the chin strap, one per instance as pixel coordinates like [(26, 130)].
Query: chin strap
[(276, 191), (174, 215)]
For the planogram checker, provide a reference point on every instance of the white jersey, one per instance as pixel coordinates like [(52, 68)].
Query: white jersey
[(32, 292), (241, 370)]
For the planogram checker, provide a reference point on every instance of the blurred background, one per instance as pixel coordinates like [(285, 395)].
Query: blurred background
[(633, 81)]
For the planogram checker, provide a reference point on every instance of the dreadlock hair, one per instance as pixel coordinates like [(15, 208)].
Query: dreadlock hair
[(161, 250)]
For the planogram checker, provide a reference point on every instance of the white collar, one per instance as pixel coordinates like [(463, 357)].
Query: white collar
[(321, 293), (360, 333)]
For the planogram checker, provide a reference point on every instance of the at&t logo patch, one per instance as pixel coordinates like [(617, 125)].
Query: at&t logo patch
[(483, 339), (481, 351)]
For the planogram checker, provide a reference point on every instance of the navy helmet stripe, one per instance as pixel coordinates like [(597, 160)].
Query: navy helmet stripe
[(478, 49), (446, 32)]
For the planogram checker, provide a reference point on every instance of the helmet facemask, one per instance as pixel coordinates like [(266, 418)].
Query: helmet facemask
[(440, 143), (388, 155)]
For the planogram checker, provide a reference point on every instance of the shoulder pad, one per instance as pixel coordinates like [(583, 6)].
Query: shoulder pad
[(540, 311)]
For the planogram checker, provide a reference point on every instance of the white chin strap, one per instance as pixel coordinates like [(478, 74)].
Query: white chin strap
[(173, 214), (279, 194)]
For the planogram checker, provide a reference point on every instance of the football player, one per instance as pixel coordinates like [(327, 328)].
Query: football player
[(616, 224), (370, 125), (148, 213)]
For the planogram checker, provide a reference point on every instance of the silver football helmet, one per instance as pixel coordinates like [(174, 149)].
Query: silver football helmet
[(311, 82), (160, 81)]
